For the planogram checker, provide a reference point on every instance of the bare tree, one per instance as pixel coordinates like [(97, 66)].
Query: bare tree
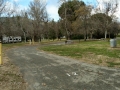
[(37, 14), (23, 23), (2, 6), (109, 8), (7, 25)]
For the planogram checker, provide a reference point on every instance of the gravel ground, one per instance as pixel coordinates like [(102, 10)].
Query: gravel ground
[(43, 71)]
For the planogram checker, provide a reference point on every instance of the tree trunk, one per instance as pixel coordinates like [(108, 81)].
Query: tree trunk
[(39, 39), (105, 34), (25, 37), (85, 37), (85, 28), (85, 34), (33, 40), (30, 41), (91, 36), (67, 34)]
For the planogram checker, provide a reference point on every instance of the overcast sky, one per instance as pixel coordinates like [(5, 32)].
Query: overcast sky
[(53, 5)]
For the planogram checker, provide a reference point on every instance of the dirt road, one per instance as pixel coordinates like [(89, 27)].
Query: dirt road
[(44, 71)]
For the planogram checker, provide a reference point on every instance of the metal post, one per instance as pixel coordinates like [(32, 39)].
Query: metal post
[(0, 53)]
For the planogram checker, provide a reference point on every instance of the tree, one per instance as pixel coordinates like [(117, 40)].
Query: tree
[(7, 19), (2, 6), (52, 31), (37, 14), (59, 29), (22, 22), (67, 13), (46, 29), (102, 21), (83, 15), (113, 29), (109, 8), (71, 6)]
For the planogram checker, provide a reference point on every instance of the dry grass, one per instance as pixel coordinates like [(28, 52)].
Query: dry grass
[(10, 77), (101, 60)]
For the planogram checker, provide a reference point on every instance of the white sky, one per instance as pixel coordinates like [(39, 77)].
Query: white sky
[(53, 5)]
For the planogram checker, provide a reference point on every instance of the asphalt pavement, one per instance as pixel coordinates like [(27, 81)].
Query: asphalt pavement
[(43, 71)]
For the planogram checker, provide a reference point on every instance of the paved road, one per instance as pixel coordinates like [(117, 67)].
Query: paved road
[(51, 72)]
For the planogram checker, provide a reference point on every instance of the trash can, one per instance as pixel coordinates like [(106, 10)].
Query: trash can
[(113, 43)]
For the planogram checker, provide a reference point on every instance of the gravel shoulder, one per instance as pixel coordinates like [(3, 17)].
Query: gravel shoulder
[(43, 71)]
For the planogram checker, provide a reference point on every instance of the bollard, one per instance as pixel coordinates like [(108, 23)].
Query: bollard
[(0, 53)]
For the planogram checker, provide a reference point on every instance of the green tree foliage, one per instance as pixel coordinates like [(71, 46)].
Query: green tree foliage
[(102, 22), (79, 20), (67, 13), (52, 32), (101, 18), (59, 29), (82, 22), (113, 29), (71, 6)]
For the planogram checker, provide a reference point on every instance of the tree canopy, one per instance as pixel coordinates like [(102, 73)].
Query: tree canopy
[(102, 18), (71, 6), (76, 21)]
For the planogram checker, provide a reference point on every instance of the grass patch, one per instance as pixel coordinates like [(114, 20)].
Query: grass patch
[(80, 49), (100, 61), (87, 50), (45, 42), (13, 44)]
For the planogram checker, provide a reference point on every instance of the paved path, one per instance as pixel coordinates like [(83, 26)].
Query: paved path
[(51, 72)]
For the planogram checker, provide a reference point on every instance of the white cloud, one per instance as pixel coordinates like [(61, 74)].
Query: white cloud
[(9, 6), (13, 8), (117, 14), (101, 7), (53, 12), (52, 9), (20, 8), (16, 0)]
